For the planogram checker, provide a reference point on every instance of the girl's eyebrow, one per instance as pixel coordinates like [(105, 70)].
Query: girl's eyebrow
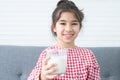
[(66, 21), (75, 21), (62, 21)]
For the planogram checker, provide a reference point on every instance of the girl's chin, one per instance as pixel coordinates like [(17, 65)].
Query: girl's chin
[(68, 41)]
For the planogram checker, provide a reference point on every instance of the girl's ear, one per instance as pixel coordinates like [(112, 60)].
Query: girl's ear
[(54, 29)]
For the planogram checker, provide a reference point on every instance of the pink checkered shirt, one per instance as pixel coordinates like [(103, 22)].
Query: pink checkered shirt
[(81, 65)]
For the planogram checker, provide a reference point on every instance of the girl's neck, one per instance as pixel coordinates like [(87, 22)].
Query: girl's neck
[(65, 45)]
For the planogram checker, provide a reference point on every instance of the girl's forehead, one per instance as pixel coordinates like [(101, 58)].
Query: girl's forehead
[(68, 16), (67, 13)]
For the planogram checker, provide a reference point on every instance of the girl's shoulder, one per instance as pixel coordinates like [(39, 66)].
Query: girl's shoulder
[(85, 51)]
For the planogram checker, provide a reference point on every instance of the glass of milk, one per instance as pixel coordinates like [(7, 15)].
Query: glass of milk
[(59, 57)]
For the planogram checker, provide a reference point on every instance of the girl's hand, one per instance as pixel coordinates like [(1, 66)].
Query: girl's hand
[(47, 70)]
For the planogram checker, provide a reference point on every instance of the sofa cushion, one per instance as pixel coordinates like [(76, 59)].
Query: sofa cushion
[(16, 62), (109, 61)]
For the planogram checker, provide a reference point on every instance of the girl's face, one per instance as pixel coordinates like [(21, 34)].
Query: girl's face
[(67, 28)]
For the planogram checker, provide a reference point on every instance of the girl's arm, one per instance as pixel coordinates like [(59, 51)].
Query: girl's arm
[(93, 69), (35, 74)]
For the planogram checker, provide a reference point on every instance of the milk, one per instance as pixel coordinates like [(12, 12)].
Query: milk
[(58, 57)]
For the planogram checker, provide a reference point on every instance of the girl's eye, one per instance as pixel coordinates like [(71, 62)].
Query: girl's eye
[(74, 23), (62, 23)]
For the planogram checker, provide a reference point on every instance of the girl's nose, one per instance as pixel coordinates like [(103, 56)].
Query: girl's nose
[(68, 28)]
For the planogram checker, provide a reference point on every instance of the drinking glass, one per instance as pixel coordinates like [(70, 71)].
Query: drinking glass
[(59, 57)]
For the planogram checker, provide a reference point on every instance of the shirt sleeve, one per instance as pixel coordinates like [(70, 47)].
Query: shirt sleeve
[(93, 69), (34, 75)]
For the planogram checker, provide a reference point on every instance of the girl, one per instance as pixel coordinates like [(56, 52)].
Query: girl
[(81, 62)]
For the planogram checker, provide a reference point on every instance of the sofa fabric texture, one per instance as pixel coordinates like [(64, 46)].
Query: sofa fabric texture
[(16, 62)]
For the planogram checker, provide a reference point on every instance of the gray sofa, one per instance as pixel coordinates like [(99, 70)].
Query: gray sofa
[(16, 62)]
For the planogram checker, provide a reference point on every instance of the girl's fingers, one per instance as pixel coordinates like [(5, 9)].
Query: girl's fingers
[(50, 71), (45, 61), (45, 64), (50, 66), (51, 76)]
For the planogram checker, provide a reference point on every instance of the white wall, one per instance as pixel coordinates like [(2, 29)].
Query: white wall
[(27, 22)]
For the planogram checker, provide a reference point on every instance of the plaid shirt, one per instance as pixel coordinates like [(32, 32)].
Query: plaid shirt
[(81, 65)]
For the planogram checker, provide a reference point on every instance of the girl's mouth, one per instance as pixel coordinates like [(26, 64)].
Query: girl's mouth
[(68, 36)]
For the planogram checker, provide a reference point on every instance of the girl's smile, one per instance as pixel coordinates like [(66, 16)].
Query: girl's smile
[(68, 36)]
